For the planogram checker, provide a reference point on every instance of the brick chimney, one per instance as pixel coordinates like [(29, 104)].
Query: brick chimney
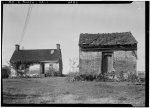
[(58, 46), (17, 47)]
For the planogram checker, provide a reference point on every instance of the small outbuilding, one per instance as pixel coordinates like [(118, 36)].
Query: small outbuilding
[(107, 52), (41, 59)]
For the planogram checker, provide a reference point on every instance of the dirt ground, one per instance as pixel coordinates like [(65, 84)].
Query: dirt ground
[(58, 90)]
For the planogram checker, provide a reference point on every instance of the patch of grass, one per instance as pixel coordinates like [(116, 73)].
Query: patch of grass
[(80, 98), (122, 98), (66, 93), (58, 90), (13, 96)]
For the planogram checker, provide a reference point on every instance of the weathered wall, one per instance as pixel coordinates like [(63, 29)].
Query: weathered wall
[(124, 61), (92, 61), (34, 69), (89, 62)]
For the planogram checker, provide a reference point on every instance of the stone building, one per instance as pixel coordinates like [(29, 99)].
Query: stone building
[(39, 60), (107, 52)]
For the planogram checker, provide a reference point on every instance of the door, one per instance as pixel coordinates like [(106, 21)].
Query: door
[(42, 68), (107, 62)]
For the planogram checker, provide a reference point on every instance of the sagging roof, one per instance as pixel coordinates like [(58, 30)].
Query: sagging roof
[(34, 56), (106, 39)]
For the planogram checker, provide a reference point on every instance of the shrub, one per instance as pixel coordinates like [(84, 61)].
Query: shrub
[(71, 76), (52, 72), (100, 77), (122, 76), (141, 77), (132, 77), (86, 77), (5, 72), (32, 76)]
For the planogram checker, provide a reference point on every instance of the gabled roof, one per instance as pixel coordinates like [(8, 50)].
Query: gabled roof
[(107, 39), (34, 56)]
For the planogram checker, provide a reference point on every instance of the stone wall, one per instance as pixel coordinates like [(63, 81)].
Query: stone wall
[(92, 61), (124, 61)]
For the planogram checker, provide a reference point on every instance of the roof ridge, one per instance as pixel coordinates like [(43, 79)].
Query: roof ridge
[(35, 49), (104, 33)]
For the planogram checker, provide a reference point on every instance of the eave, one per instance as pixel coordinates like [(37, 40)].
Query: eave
[(107, 49)]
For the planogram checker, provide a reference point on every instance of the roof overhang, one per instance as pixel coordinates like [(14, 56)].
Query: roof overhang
[(107, 49), (50, 61), (45, 61)]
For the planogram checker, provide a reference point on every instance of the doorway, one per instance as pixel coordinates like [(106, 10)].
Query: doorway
[(107, 62)]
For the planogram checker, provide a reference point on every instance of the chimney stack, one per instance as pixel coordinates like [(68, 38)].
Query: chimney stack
[(58, 46), (17, 47)]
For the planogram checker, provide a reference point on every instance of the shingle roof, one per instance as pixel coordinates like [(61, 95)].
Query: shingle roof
[(105, 39), (35, 55)]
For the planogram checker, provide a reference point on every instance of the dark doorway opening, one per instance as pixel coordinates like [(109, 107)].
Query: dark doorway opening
[(107, 62), (42, 68)]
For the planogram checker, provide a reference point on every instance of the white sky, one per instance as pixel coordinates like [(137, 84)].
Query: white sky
[(62, 23)]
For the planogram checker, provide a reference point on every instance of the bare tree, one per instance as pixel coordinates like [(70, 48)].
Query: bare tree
[(74, 65)]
